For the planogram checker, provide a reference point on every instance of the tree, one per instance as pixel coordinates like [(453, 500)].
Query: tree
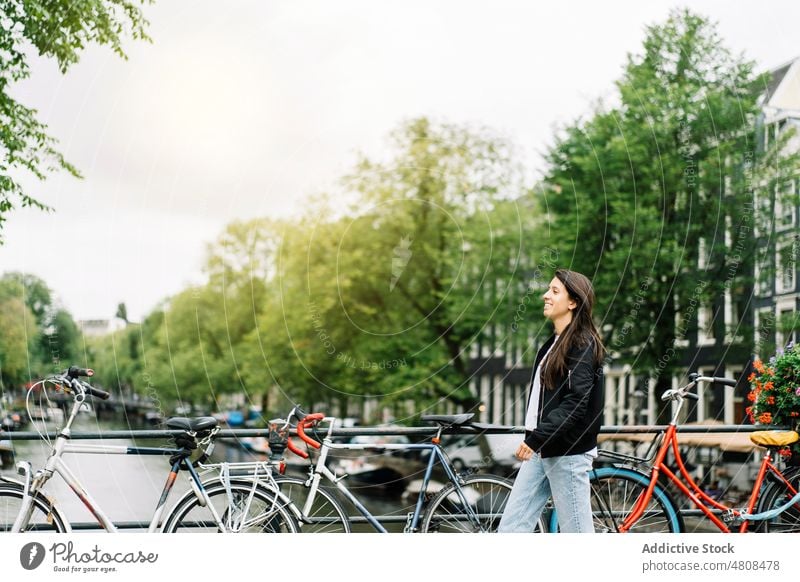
[(122, 313), (59, 30), (652, 198), (17, 339), (61, 342), (33, 290), (387, 299), (56, 342)]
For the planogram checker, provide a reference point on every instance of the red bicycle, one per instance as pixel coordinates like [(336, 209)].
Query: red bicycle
[(631, 497)]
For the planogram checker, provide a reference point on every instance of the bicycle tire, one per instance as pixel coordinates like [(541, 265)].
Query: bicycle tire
[(774, 495), (44, 518), (265, 512), (487, 496), (614, 493), (327, 514)]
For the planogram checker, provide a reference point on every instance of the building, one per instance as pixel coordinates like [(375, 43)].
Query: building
[(99, 327), (776, 294)]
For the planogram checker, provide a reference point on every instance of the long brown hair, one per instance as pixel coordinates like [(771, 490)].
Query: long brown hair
[(580, 331)]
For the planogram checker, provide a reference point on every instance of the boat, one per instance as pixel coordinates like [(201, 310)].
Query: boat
[(371, 478)]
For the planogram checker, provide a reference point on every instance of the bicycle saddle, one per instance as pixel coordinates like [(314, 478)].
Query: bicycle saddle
[(774, 438), (448, 419), (191, 424)]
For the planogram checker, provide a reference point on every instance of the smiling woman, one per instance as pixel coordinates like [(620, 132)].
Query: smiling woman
[(564, 414)]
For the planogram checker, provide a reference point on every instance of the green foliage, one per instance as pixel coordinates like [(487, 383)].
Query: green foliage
[(16, 341), (60, 30), (382, 298)]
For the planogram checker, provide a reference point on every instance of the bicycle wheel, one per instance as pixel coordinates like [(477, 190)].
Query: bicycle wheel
[(326, 516), (44, 517), (614, 495), (774, 495), (242, 508), (485, 496)]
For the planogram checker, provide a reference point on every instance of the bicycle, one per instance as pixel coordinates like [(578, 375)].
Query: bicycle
[(629, 498), (322, 514), (471, 503), (229, 505)]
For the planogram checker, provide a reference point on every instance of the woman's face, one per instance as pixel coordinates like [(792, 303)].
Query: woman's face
[(557, 303)]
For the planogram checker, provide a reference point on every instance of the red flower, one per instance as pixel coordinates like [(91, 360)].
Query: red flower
[(765, 418)]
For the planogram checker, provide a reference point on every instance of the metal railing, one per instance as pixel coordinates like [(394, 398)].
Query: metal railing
[(380, 431), (426, 431)]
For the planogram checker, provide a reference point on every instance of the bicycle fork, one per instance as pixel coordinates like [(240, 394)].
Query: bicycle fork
[(25, 512)]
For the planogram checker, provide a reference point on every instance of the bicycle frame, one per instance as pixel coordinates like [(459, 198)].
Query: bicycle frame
[(693, 491), (34, 483), (320, 469)]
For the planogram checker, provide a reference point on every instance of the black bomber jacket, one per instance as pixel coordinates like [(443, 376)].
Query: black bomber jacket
[(570, 414)]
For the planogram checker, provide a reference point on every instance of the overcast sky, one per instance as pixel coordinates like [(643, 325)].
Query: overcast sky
[(243, 109)]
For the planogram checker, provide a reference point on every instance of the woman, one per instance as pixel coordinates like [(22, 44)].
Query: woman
[(564, 414)]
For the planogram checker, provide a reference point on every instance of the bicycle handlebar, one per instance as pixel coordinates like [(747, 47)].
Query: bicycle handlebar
[(295, 450), (96, 392), (309, 419), (75, 372), (70, 379), (725, 381), (694, 378)]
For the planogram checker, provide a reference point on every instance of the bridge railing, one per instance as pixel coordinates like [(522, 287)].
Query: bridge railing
[(377, 431), (420, 431)]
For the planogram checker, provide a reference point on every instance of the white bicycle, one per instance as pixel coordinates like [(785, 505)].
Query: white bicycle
[(220, 503)]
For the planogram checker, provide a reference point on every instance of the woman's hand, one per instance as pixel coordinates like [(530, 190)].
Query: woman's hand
[(524, 452)]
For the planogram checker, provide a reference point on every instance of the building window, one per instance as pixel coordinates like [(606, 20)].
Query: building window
[(762, 204), (730, 400), (702, 256), (784, 205), (763, 274), (733, 315), (786, 325), (705, 396), (786, 266), (764, 329), (705, 325)]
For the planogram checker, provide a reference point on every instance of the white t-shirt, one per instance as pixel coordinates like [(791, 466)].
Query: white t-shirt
[(533, 406)]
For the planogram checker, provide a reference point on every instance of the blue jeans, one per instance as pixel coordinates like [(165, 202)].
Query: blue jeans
[(566, 479)]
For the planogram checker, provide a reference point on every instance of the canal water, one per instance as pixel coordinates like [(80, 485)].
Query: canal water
[(127, 487)]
